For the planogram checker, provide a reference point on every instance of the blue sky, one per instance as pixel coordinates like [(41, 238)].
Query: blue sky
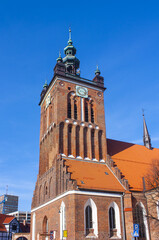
[(120, 36)]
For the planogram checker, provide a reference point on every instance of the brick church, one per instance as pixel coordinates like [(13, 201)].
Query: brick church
[(86, 187)]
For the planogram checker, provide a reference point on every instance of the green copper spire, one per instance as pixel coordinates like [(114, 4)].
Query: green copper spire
[(97, 72), (59, 59), (70, 60)]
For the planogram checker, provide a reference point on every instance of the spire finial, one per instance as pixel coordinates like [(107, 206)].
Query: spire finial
[(146, 136), (59, 59), (69, 33), (97, 72)]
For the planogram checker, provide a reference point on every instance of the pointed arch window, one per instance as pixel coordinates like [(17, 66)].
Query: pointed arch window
[(88, 218), (114, 220), (69, 106), (92, 113), (90, 214), (69, 139), (86, 110), (45, 227), (138, 217), (75, 109)]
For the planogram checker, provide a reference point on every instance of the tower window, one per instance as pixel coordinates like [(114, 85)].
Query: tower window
[(69, 108), (69, 140), (92, 143), (86, 111), (75, 109), (92, 114)]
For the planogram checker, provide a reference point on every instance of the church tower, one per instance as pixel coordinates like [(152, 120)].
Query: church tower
[(73, 154), (72, 114)]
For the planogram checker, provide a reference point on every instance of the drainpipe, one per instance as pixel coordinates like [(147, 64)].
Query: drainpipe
[(122, 216)]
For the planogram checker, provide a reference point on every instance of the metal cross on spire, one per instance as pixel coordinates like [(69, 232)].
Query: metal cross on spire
[(69, 33)]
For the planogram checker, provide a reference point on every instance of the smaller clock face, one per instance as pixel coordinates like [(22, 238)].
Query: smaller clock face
[(48, 100), (81, 91)]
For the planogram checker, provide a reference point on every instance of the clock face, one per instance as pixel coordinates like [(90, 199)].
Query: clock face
[(81, 91), (48, 100)]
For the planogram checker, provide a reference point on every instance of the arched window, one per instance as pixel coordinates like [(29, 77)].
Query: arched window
[(77, 141), (61, 127), (85, 141), (69, 106), (90, 218), (100, 144), (114, 220), (88, 215), (62, 220), (92, 143), (69, 139), (86, 111), (75, 109), (139, 217), (45, 227), (112, 224), (92, 113)]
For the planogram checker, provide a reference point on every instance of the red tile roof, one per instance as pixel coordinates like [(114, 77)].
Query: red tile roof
[(5, 219), (133, 160), (93, 176)]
